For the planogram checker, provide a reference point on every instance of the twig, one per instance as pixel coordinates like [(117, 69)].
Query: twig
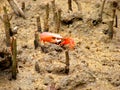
[(18, 11), (58, 17), (39, 24), (110, 32), (7, 33), (8, 21), (23, 6), (7, 26), (114, 12), (114, 7), (54, 9), (14, 56), (116, 21), (67, 62), (47, 11), (37, 67), (70, 5), (56, 21), (37, 40), (46, 26), (101, 13)]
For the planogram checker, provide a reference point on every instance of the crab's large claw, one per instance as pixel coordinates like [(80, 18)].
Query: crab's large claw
[(68, 42), (50, 37)]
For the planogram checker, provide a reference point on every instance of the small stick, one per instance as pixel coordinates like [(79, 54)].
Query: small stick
[(37, 67), (114, 6), (47, 11), (39, 24), (7, 25), (116, 21), (70, 5), (18, 11), (58, 20), (37, 40), (110, 32), (54, 9), (56, 17), (7, 33), (14, 56), (114, 12), (101, 13), (67, 62), (46, 26), (23, 6)]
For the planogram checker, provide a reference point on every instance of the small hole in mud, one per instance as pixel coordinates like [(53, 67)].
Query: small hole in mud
[(87, 47), (117, 80), (67, 22), (105, 31), (107, 47), (80, 18), (49, 71), (83, 62), (20, 66), (25, 46), (104, 64), (95, 22), (46, 84)]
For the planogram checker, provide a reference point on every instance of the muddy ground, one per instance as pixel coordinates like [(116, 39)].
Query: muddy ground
[(94, 63)]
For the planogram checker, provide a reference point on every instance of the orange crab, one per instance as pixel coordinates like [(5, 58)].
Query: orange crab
[(57, 39)]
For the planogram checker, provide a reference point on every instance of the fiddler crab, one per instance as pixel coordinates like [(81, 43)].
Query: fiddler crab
[(57, 39)]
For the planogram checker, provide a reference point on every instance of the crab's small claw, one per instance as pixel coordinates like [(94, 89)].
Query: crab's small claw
[(68, 41)]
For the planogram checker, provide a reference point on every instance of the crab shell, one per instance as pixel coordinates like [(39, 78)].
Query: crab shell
[(50, 37)]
